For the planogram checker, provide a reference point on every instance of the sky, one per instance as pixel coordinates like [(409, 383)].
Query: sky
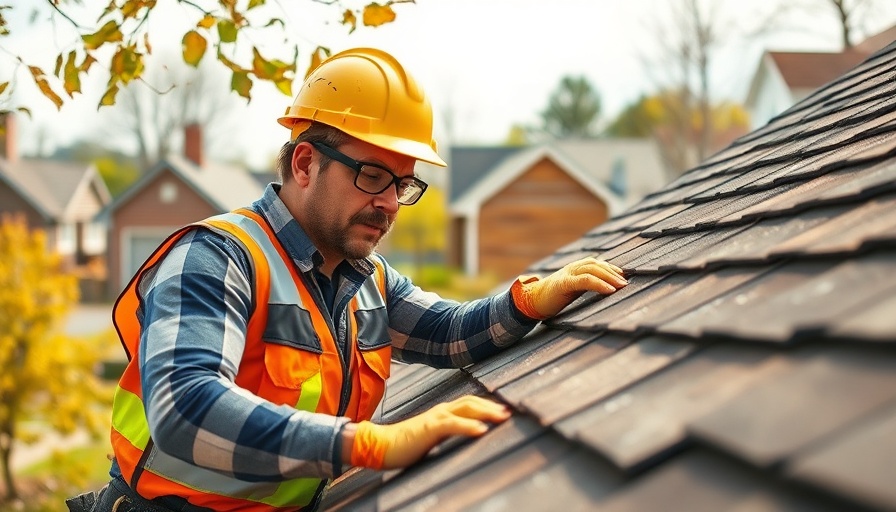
[(486, 64)]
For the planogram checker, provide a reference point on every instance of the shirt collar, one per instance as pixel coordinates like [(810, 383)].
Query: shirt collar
[(291, 235)]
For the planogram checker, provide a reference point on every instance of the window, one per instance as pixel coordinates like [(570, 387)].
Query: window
[(65, 238), (618, 178), (94, 238), (168, 192)]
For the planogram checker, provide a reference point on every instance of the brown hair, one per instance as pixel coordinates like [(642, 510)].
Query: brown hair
[(317, 132)]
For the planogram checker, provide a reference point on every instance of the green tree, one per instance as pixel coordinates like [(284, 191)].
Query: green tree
[(118, 38), (117, 173), (118, 170), (422, 229), (44, 376), (573, 109)]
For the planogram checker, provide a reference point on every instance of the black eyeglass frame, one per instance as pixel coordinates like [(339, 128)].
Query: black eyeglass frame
[(357, 166)]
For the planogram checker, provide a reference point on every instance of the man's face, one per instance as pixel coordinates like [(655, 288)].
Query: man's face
[(343, 221)]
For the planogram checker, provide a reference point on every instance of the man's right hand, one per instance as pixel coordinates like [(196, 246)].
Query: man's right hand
[(542, 298), (401, 444)]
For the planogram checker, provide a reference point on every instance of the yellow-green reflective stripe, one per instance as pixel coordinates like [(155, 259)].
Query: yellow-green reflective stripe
[(294, 493), (310, 396), (129, 417)]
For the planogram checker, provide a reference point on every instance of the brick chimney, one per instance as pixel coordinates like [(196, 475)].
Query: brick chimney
[(193, 143), (8, 148)]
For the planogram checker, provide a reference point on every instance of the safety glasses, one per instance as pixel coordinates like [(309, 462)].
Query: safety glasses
[(375, 179)]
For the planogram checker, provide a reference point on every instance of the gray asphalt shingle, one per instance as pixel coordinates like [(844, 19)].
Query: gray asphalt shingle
[(749, 365)]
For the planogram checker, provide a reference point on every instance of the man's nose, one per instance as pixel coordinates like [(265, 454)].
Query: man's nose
[(387, 200)]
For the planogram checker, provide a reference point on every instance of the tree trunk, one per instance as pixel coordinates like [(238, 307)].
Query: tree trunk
[(843, 15), (6, 439)]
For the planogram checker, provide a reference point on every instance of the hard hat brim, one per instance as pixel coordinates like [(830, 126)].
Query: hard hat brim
[(407, 147), (411, 148)]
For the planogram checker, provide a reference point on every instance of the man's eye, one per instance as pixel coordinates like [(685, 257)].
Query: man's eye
[(371, 173)]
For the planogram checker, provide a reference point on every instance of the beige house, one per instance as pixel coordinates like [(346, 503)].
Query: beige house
[(784, 78), (63, 199)]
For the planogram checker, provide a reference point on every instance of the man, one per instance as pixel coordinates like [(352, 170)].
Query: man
[(260, 340)]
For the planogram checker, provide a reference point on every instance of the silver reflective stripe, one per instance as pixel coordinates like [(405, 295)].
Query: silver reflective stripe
[(369, 295), (295, 492), (282, 290)]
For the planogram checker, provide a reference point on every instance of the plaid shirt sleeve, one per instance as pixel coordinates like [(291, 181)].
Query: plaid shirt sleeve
[(428, 329), (194, 313)]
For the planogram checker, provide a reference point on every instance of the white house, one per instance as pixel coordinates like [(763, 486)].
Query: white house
[(784, 78)]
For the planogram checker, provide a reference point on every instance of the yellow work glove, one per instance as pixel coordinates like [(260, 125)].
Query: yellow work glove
[(541, 298), (401, 444)]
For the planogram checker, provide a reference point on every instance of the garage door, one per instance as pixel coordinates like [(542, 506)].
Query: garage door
[(139, 247)]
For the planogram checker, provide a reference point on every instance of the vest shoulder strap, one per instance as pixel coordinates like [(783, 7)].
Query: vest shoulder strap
[(379, 273)]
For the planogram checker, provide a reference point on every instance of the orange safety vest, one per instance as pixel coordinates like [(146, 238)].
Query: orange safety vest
[(309, 379)]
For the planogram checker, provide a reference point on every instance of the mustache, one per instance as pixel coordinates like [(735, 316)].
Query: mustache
[(372, 218)]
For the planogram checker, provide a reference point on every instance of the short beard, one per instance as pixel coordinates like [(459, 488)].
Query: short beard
[(371, 218), (349, 247)]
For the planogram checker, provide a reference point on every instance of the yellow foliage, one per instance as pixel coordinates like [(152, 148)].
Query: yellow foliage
[(194, 46), (516, 136), (44, 375), (727, 115), (422, 227), (376, 14), (655, 109), (119, 41)]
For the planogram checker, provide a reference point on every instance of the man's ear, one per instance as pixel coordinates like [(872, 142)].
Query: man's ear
[(302, 157)]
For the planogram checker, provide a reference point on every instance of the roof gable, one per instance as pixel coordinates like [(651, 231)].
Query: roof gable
[(810, 70), (51, 186), (518, 163), (638, 159), (223, 187), (877, 41), (749, 363), (469, 164), (806, 70)]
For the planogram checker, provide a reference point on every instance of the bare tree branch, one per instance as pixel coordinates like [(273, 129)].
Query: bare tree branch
[(62, 13), (153, 112)]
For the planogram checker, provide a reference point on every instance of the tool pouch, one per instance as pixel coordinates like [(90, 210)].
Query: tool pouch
[(83, 502)]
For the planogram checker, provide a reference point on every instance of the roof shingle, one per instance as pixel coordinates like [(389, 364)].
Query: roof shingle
[(750, 364)]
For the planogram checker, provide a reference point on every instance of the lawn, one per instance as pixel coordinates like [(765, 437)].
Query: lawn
[(44, 486)]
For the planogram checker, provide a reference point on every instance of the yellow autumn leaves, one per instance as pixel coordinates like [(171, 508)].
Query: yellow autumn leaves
[(121, 41), (46, 378)]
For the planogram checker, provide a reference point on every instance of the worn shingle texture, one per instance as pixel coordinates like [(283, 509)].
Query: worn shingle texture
[(749, 365)]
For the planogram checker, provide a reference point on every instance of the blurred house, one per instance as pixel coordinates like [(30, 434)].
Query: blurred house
[(511, 205), (176, 191), (62, 198), (783, 79)]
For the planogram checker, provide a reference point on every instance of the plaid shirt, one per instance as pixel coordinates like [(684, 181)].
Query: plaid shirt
[(194, 315)]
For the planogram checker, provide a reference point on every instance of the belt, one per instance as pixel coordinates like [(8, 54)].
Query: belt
[(119, 497)]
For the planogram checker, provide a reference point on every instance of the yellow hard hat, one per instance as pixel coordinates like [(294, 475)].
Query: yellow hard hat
[(367, 94)]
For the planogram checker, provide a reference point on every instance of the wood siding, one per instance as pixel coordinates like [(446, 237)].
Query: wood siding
[(541, 211), (146, 210), (86, 204), (456, 250)]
